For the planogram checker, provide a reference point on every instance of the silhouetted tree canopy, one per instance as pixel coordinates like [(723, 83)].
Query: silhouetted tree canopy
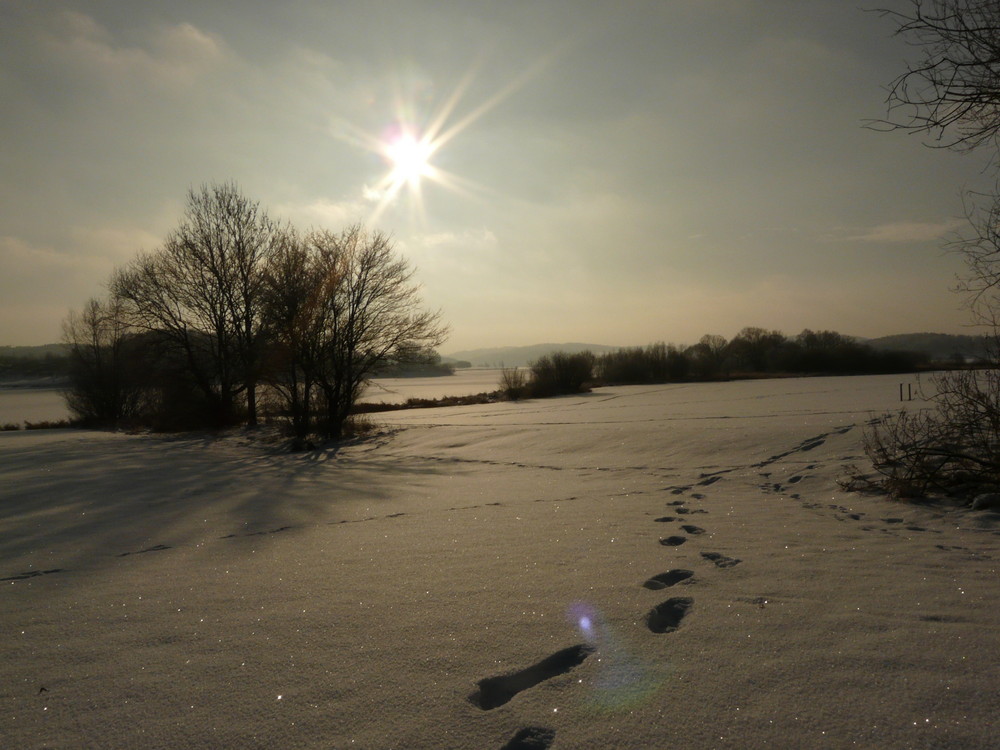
[(952, 92), (202, 291), (233, 300)]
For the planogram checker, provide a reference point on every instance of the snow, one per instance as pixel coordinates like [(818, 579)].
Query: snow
[(201, 591)]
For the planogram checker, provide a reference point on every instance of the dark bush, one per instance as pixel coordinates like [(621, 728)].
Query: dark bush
[(656, 363), (561, 373)]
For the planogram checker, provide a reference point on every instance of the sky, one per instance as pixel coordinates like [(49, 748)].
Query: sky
[(607, 172)]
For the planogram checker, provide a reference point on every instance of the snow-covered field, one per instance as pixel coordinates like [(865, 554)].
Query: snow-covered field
[(640, 567)]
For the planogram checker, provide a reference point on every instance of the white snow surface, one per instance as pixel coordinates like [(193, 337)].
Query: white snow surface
[(215, 592)]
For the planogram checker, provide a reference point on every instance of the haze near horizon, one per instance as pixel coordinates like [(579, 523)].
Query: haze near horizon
[(556, 173)]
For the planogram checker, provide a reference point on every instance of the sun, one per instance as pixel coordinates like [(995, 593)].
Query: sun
[(410, 159), (409, 143)]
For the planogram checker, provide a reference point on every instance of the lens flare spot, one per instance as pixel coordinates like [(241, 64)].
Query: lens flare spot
[(584, 617)]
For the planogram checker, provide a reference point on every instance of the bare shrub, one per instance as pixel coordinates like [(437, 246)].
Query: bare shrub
[(513, 383), (48, 424), (952, 448), (358, 425)]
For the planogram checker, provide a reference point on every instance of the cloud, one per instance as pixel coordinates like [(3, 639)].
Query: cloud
[(908, 231), (461, 257), (324, 213), (174, 56), (21, 261), (469, 239), (111, 243), (39, 283)]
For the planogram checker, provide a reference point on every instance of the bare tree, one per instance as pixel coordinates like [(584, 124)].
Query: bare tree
[(367, 313), (293, 320), (203, 292), (106, 384), (709, 355), (953, 91), (756, 348), (980, 250)]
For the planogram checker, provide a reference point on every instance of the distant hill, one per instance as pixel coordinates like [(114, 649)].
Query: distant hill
[(28, 363), (34, 352), (519, 356), (938, 346)]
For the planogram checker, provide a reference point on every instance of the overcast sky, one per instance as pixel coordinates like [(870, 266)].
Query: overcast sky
[(609, 172)]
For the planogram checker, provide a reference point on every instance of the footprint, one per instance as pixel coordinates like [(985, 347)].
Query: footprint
[(673, 541), (156, 548), (675, 503), (665, 519), (682, 511), (721, 560), (666, 617), (31, 574), (942, 618), (697, 496), (670, 578), (708, 481), (690, 529), (496, 691), (531, 738), (795, 480)]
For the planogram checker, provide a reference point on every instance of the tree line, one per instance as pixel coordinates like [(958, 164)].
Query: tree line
[(753, 351), (235, 309)]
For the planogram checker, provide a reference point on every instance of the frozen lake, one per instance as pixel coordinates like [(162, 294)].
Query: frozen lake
[(31, 404), (47, 404)]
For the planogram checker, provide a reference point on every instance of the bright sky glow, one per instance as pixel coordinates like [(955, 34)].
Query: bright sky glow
[(555, 172)]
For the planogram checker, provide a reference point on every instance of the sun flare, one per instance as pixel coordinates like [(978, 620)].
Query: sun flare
[(410, 159), (408, 145)]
